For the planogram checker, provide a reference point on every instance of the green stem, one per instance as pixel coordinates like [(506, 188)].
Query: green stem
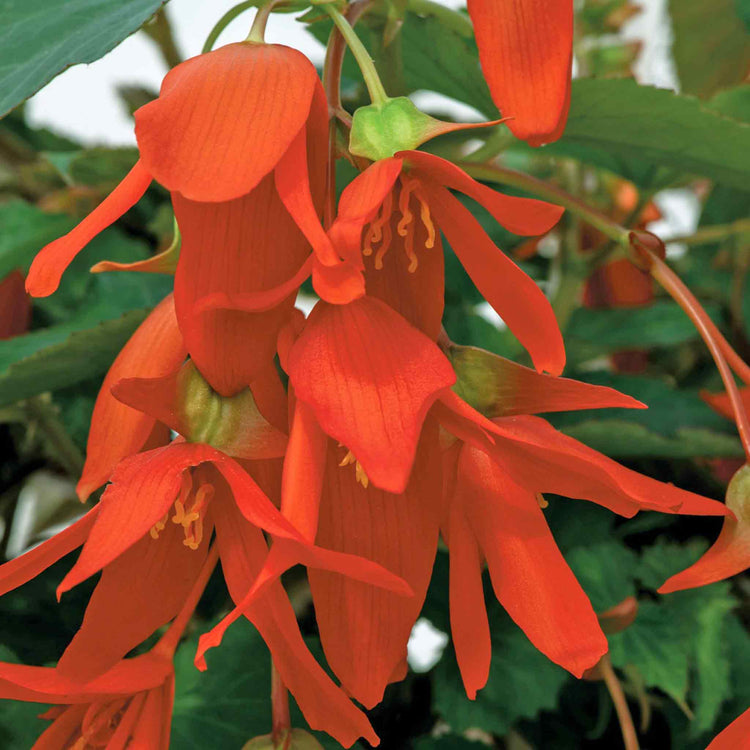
[(258, 30), (225, 20), (715, 233), (160, 32), (361, 55), (496, 173), (43, 413)]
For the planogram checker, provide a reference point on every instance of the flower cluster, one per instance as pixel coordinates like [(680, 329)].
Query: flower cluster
[(370, 448)]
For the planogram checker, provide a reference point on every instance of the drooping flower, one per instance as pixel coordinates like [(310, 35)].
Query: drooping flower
[(224, 121), (526, 52), (128, 706), (736, 736)]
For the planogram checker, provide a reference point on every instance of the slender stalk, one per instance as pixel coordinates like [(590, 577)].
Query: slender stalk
[(495, 173), (714, 233), (281, 721), (629, 736), (44, 415), (674, 286), (224, 21), (258, 29), (168, 642), (361, 55), (452, 19)]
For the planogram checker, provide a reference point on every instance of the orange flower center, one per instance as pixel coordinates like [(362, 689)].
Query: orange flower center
[(189, 510), (380, 231), (100, 723)]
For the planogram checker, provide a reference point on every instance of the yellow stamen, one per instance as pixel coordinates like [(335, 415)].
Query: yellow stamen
[(403, 205), (542, 502), (359, 473), (424, 214)]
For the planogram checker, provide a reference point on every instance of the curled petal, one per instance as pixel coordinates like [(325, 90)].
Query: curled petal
[(50, 263), (370, 379), (189, 137)]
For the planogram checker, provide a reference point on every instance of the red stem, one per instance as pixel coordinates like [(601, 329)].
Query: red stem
[(629, 736), (281, 721), (715, 342)]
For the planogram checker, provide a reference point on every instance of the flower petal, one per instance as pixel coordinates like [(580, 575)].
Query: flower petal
[(18, 571), (50, 263), (249, 245), (735, 736), (521, 216), (370, 379), (364, 630), (243, 551), (529, 574), (138, 592), (190, 138), (513, 294), (525, 48), (117, 430)]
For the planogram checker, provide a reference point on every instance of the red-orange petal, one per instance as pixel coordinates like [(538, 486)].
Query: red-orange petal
[(50, 263), (140, 591), (364, 630), (526, 48), (243, 551), (529, 574), (224, 119), (721, 403), (521, 216), (117, 430), (18, 571), (370, 379), (734, 737), (511, 292)]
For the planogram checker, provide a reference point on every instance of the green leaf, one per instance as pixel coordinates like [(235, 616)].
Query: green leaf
[(41, 38), (62, 355), (605, 571), (733, 103), (711, 49), (447, 742), (665, 559), (25, 231), (623, 126), (522, 683)]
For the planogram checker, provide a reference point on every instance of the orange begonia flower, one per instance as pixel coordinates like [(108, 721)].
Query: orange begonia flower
[(128, 706), (526, 52), (237, 236)]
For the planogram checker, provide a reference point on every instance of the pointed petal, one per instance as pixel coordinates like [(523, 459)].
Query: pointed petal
[(363, 196), (542, 459), (529, 574), (470, 628), (364, 631), (137, 593), (370, 379), (15, 306), (18, 571), (143, 488), (50, 263), (525, 48), (117, 430), (513, 294), (148, 731), (735, 736), (189, 137), (498, 387), (721, 403), (243, 551), (164, 262), (246, 246), (521, 216)]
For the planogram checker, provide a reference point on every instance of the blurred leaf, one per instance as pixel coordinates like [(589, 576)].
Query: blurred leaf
[(93, 166), (25, 231), (62, 355), (605, 571), (664, 559), (447, 742), (711, 48), (41, 38), (734, 102), (627, 126)]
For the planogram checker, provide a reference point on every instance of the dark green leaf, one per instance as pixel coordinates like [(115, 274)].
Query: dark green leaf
[(605, 571), (40, 38), (62, 355)]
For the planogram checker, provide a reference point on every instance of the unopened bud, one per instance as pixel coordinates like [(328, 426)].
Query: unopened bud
[(296, 739)]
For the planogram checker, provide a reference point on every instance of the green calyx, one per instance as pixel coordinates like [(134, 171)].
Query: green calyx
[(290, 739), (382, 129), (738, 495)]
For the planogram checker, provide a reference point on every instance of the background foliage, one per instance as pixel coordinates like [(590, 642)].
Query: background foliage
[(684, 658)]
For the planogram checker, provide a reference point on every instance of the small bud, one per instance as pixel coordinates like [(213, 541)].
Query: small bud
[(382, 130), (738, 495), (297, 739), (643, 244)]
